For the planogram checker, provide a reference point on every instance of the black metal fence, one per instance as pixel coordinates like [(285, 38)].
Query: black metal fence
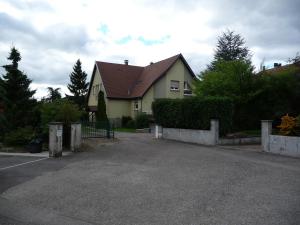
[(97, 130)]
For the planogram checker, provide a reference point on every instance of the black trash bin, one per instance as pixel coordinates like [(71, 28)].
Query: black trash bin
[(35, 145)]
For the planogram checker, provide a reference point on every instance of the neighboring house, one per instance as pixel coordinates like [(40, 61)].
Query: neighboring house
[(278, 68), (130, 90)]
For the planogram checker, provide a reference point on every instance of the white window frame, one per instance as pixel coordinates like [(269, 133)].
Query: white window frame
[(187, 89), (173, 87)]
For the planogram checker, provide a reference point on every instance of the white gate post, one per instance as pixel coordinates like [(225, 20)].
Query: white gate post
[(158, 131), (55, 139), (214, 127), (75, 136), (266, 131)]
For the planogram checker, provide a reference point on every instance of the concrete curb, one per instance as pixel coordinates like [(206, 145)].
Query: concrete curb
[(42, 154)]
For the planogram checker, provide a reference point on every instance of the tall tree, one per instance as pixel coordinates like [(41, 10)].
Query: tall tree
[(18, 102), (53, 94), (101, 108), (230, 47), (78, 86)]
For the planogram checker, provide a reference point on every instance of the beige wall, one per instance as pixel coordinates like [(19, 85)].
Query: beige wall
[(178, 72), (134, 112), (147, 101), (160, 90), (93, 98), (118, 108)]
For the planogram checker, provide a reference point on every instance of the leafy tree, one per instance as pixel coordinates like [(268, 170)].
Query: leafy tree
[(101, 108), (53, 94), (18, 102), (78, 86), (229, 78), (233, 79)]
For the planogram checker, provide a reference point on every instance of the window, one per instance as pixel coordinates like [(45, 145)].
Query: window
[(174, 85), (136, 105), (187, 88), (96, 89)]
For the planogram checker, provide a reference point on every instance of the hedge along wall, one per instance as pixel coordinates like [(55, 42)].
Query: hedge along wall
[(194, 113)]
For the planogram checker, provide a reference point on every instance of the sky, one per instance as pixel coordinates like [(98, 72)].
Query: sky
[(52, 34)]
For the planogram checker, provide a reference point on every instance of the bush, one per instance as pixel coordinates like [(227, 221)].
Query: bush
[(125, 120), (142, 121), (19, 137), (289, 125), (194, 113), (59, 111), (131, 124)]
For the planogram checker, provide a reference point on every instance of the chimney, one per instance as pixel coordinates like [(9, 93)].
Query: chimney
[(126, 61), (151, 63), (276, 65)]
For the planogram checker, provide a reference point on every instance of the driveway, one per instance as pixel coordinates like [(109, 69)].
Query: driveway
[(140, 180)]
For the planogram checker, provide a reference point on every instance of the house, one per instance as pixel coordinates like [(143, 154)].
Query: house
[(129, 90)]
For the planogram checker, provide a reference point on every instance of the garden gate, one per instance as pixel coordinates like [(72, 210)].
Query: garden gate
[(97, 129)]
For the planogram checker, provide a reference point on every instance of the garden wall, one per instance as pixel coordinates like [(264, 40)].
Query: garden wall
[(283, 145), (205, 137)]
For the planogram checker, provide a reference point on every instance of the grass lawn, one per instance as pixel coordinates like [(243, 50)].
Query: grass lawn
[(252, 132), (123, 129)]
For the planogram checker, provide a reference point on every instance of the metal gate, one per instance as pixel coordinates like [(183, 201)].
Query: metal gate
[(97, 130)]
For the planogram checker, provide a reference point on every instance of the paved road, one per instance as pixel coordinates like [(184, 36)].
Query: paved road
[(139, 180)]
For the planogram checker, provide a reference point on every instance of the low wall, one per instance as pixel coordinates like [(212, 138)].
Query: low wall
[(285, 145), (204, 137), (278, 144), (240, 141)]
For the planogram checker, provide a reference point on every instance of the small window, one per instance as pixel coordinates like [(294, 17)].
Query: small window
[(174, 85), (136, 105)]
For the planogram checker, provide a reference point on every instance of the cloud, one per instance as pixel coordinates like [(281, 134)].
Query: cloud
[(149, 42), (52, 35), (103, 29), (124, 40)]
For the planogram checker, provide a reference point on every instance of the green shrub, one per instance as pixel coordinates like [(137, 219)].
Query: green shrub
[(142, 120), (19, 137), (194, 113), (125, 120), (131, 124), (59, 111), (101, 108)]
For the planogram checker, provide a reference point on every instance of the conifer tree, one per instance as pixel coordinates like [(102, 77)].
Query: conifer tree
[(78, 85), (101, 108), (230, 47), (18, 98)]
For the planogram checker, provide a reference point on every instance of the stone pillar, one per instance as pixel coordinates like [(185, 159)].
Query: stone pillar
[(75, 136), (214, 128), (266, 131), (158, 131), (55, 139)]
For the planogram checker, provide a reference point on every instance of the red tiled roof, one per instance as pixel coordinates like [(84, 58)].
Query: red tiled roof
[(127, 82), (281, 68)]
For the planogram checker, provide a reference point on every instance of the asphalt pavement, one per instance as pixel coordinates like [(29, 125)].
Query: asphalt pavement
[(141, 180)]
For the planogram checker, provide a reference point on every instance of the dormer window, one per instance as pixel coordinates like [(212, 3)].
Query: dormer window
[(174, 85)]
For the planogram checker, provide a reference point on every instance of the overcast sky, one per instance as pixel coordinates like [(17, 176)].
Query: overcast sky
[(52, 34)]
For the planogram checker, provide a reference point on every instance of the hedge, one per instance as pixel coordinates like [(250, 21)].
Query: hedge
[(194, 113)]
